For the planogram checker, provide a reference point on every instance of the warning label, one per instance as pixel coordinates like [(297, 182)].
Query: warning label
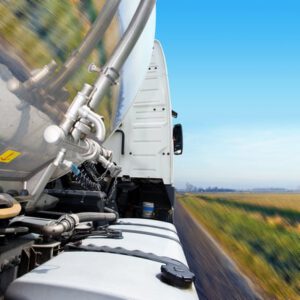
[(8, 156)]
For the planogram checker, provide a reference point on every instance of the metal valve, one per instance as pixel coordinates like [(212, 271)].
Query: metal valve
[(94, 68)]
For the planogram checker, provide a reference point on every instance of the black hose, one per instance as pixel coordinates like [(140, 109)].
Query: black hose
[(68, 222), (14, 230), (111, 211), (97, 216)]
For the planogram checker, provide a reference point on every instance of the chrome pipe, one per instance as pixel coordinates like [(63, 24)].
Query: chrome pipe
[(86, 113), (111, 69), (93, 37), (44, 179), (63, 224)]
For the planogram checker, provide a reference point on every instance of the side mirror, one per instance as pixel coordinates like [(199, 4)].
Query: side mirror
[(178, 139)]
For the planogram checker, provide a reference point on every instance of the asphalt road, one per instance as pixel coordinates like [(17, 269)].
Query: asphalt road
[(217, 277)]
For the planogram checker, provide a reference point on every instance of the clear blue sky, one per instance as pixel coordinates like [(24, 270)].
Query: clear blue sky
[(234, 71)]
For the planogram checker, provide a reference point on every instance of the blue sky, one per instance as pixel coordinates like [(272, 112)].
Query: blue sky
[(234, 70)]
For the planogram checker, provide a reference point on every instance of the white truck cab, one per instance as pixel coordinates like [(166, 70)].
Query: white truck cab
[(144, 145)]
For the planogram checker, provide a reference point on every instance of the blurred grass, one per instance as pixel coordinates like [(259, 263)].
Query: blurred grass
[(265, 245), (282, 200)]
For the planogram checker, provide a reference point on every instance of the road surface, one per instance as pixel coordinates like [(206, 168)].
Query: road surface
[(217, 277)]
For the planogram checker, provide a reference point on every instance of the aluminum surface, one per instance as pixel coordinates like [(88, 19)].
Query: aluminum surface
[(37, 43)]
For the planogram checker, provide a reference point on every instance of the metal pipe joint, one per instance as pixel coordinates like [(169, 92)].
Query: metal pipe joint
[(64, 224), (86, 113)]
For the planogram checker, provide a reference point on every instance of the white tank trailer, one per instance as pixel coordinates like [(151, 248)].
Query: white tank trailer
[(86, 154)]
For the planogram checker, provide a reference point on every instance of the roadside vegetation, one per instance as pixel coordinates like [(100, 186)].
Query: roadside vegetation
[(261, 232)]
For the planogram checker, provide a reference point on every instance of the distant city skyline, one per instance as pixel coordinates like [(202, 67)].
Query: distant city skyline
[(234, 70)]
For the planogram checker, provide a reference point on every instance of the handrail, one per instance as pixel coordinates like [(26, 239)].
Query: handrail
[(123, 140)]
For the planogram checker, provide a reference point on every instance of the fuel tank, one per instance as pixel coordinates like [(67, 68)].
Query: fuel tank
[(43, 65), (123, 268)]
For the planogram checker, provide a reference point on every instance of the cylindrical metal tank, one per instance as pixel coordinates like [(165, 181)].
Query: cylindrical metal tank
[(39, 46)]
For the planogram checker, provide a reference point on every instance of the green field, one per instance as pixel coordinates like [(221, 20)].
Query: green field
[(261, 232)]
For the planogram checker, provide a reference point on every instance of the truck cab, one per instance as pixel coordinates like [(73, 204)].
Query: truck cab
[(144, 145)]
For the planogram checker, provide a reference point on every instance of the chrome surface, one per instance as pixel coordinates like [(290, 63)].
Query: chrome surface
[(112, 67), (45, 51)]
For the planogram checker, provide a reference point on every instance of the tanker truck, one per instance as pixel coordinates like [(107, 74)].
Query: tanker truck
[(86, 154)]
